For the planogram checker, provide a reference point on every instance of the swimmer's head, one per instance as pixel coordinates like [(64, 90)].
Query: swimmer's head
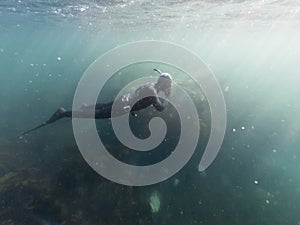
[(164, 83)]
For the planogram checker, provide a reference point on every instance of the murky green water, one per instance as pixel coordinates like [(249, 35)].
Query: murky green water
[(253, 48)]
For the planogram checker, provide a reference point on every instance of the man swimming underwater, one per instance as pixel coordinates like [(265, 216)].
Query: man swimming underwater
[(125, 102)]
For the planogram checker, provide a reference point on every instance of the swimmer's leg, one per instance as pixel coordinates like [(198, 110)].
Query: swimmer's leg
[(98, 106), (102, 111), (62, 113)]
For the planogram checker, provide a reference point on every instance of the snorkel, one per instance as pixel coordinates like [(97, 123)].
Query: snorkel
[(157, 70)]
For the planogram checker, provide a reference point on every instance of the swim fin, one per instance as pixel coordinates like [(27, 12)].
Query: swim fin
[(57, 115), (37, 127)]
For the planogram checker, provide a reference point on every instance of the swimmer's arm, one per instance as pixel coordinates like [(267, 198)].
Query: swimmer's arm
[(159, 103)]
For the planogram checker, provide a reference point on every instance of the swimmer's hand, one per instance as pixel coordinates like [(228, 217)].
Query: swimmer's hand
[(167, 92), (163, 101)]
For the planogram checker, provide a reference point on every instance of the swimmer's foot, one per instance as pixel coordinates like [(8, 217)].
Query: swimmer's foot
[(57, 115)]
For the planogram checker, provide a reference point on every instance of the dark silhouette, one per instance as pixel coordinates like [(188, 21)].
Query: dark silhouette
[(123, 104)]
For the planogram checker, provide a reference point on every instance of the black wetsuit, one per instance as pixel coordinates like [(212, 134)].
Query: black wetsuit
[(123, 105)]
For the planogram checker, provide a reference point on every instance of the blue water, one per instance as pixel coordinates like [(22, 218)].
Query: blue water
[(253, 48)]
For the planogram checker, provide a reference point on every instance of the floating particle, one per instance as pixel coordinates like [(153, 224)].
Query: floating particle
[(255, 182), (226, 89), (233, 130), (82, 9), (154, 202), (176, 182), (274, 150), (58, 58), (267, 201), (126, 108), (243, 128), (30, 81)]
